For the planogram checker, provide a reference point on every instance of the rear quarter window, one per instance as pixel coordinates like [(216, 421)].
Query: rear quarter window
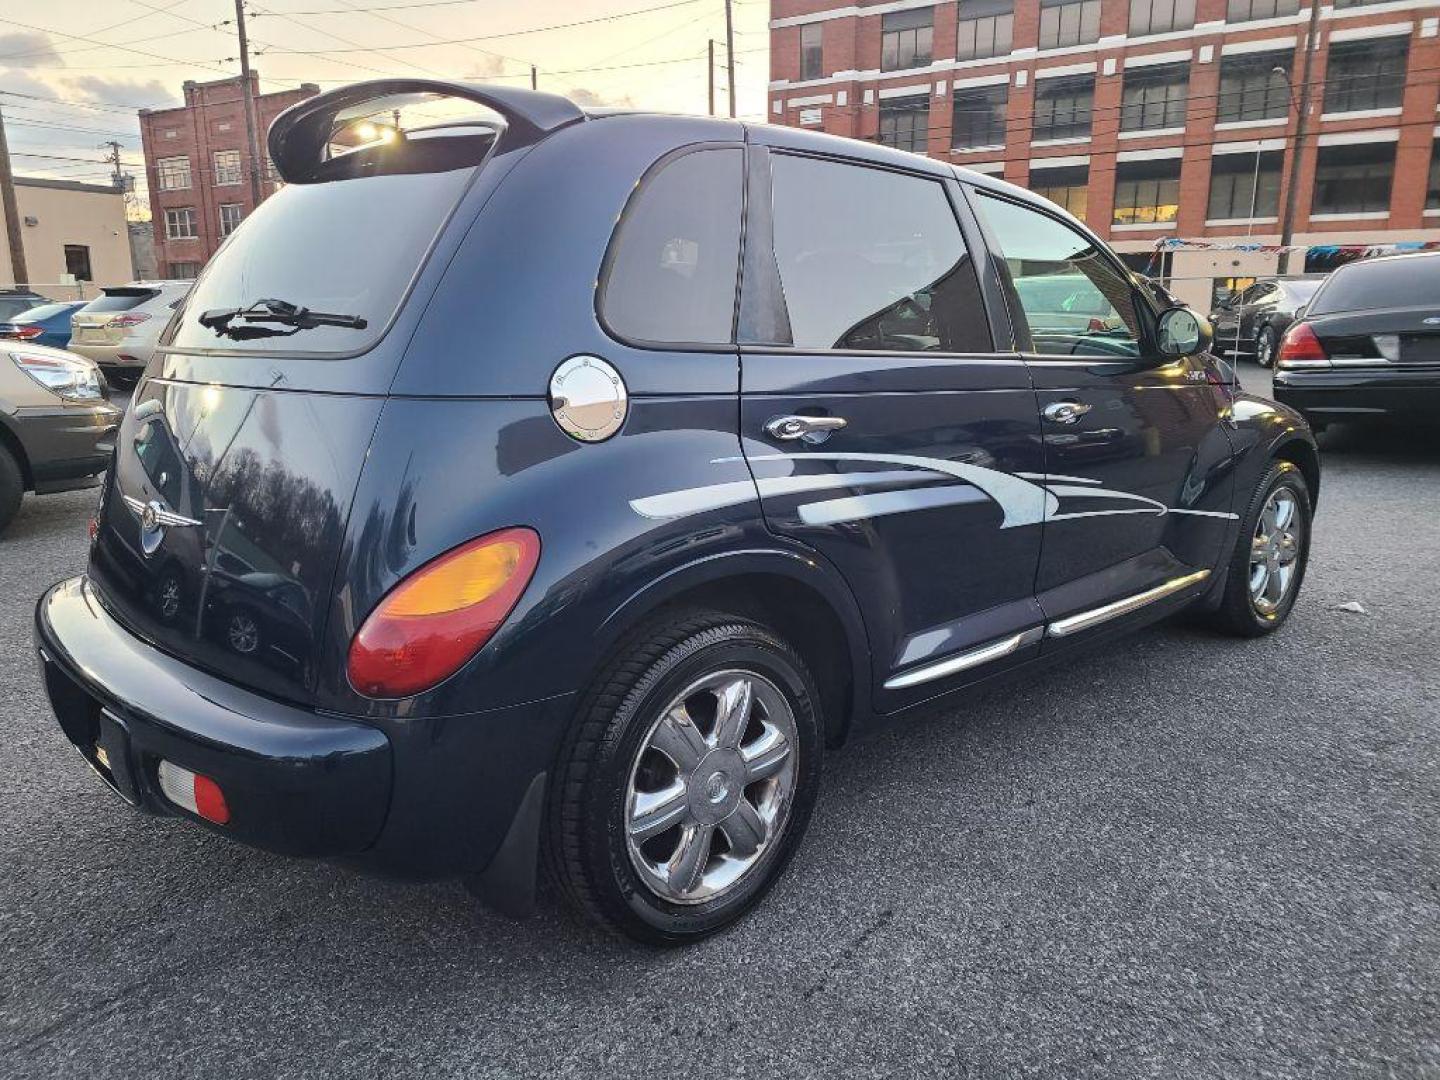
[(674, 261), (1397, 283)]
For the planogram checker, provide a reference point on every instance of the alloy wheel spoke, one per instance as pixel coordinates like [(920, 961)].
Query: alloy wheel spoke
[(687, 864), (745, 830), (1274, 584), (765, 756), (679, 739), (1284, 513), (733, 713), (656, 811), (1259, 548), (1289, 549)]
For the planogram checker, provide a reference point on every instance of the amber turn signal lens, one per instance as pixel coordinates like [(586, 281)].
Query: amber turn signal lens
[(440, 616)]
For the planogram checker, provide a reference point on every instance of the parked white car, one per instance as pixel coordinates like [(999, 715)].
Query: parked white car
[(119, 328)]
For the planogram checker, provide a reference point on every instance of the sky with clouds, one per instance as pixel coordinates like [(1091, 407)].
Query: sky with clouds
[(74, 72)]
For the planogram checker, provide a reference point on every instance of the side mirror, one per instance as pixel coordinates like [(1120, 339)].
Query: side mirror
[(1184, 333)]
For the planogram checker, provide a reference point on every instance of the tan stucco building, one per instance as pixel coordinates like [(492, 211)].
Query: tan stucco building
[(69, 228)]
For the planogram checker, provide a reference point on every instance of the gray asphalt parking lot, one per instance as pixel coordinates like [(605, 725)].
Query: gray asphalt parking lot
[(1183, 856)]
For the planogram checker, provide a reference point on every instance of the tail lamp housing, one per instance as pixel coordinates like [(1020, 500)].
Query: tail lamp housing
[(437, 618), (26, 332), (1300, 349), (193, 792)]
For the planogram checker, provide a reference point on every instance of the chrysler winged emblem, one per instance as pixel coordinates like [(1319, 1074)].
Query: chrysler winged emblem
[(155, 518)]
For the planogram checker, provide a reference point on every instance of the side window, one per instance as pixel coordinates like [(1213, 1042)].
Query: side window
[(1074, 298), (675, 260), (872, 260)]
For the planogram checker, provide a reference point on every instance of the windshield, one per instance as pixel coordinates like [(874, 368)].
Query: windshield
[(1303, 290), (347, 246)]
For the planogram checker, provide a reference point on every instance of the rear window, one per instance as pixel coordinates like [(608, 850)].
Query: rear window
[(351, 235), (10, 306), (1392, 283), (43, 312), (119, 300)]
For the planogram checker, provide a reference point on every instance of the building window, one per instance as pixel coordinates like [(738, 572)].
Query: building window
[(1254, 86), (77, 262), (811, 55), (1366, 75), (173, 173), (980, 116), (1236, 186), (184, 271), (984, 28), (1147, 192), (1247, 10), (1354, 179), (1432, 187), (1067, 186), (1069, 22), (230, 215), (227, 167), (1062, 107), (180, 224), (1155, 97), (1160, 16), (904, 124), (906, 39)]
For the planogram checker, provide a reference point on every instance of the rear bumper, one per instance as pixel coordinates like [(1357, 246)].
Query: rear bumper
[(1357, 395), (296, 782), (125, 355)]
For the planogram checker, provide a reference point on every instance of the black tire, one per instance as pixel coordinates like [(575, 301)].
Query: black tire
[(1238, 614), (1265, 347), (586, 845), (12, 487)]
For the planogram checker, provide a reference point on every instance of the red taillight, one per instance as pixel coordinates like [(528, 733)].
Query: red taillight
[(24, 333), (130, 318), (442, 614), (1300, 348)]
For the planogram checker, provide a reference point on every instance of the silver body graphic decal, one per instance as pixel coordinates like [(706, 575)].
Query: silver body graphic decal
[(1023, 498)]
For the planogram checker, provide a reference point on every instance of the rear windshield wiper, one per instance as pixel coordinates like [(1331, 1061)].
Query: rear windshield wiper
[(249, 319)]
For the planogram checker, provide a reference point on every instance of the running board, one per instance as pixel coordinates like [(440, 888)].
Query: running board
[(1071, 624)]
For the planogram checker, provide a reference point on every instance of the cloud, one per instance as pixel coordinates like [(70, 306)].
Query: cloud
[(151, 94), (23, 49), (589, 99)]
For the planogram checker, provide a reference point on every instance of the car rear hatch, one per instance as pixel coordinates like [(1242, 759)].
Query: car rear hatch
[(107, 318), (225, 515)]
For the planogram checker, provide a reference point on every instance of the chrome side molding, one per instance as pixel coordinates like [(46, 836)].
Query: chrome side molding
[(1073, 624), (983, 654)]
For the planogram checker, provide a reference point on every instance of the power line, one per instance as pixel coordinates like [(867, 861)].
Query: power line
[(169, 60)]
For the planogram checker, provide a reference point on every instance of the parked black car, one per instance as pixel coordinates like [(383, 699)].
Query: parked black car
[(600, 535), (1253, 322), (1368, 345)]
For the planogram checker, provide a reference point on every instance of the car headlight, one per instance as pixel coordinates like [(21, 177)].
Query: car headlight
[(70, 378)]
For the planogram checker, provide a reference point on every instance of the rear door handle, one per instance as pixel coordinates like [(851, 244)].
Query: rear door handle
[(811, 428), (1065, 412)]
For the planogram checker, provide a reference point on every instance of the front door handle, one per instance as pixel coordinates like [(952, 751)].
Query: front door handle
[(1065, 412), (810, 428)]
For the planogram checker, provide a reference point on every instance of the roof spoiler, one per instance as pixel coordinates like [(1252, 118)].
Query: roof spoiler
[(299, 134)]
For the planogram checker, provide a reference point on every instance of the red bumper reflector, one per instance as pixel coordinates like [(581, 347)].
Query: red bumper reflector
[(191, 791)]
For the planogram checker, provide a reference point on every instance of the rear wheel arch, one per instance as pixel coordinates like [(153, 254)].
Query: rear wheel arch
[(818, 617)]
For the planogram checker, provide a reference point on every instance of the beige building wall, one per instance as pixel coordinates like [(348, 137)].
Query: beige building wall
[(66, 212)]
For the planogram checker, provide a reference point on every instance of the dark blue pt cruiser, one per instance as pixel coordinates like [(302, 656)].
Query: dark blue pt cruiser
[(521, 484)]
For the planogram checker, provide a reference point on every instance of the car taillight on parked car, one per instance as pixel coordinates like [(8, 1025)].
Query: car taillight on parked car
[(130, 318), (442, 614), (23, 333), (1300, 348)]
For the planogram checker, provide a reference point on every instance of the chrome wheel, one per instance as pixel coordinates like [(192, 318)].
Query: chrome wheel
[(1264, 350), (710, 790), (244, 635), (1275, 551)]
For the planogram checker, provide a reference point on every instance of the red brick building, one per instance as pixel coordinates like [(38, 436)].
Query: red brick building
[(1148, 118), (197, 163)]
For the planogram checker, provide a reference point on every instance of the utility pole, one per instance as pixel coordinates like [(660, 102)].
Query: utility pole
[(12, 213), (730, 52), (534, 78), (712, 76), (252, 136), (1302, 127), (114, 159)]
